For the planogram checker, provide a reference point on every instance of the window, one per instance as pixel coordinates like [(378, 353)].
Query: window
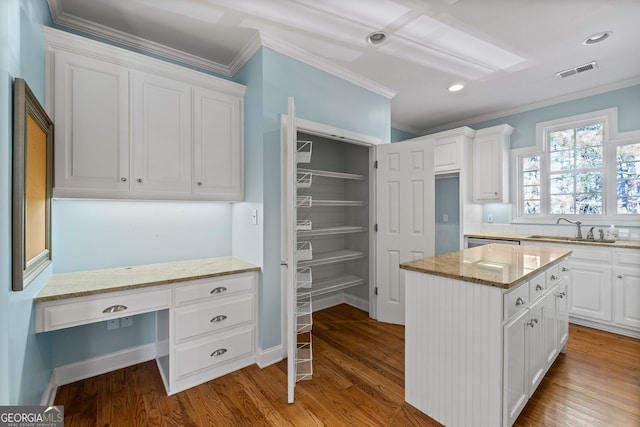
[(580, 168)]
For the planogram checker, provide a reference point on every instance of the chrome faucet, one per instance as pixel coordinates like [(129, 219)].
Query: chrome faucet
[(577, 223), (590, 233)]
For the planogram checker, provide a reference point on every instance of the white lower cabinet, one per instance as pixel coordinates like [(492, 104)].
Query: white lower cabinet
[(532, 337), (210, 330)]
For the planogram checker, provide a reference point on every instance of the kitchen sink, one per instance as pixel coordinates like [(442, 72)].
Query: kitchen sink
[(571, 239)]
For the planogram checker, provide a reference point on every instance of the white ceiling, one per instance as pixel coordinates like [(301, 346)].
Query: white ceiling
[(506, 52)]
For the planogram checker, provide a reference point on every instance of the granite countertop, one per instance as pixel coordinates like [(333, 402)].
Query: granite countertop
[(623, 244), (83, 283), (495, 264)]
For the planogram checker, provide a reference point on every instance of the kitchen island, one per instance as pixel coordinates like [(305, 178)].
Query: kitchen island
[(483, 325)]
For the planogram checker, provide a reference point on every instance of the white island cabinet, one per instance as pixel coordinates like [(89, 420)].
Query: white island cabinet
[(483, 326)]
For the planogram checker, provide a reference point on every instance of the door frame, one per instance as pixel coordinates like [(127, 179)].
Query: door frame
[(342, 135)]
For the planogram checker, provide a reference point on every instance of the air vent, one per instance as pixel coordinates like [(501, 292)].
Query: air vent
[(576, 70)]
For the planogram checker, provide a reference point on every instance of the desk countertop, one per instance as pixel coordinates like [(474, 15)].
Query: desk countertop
[(83, 283)]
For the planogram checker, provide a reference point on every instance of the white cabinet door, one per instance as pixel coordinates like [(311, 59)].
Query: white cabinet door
[(217, 147), (550, 325), (91, 112), (627, 296), (406, 219), (490, 164), (447, 155), (590, 291), (161, 134), (516, 386), (537, 352), (562, 314)]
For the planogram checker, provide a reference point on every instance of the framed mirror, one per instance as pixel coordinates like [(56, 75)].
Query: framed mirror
[(32, 186)]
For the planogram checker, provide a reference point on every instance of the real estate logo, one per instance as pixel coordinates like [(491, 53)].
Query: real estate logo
[(32, 416)]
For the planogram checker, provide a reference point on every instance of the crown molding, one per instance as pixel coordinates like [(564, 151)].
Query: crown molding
[(316, 62), (247, 52), (61, 18), (534, 106)]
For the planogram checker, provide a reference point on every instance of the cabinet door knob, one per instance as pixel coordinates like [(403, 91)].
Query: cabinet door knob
[(123, 179), (495, 193), (519, 301), (139, 179), (219, 318), (560, 294), (218, 290), (199, 183), (219, 352), (539, 287), (554, 277), (619, 276), (565, 268)]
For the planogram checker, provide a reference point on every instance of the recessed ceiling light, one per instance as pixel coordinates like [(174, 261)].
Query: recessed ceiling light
[(596, 38), (456, 87), (377, 38)]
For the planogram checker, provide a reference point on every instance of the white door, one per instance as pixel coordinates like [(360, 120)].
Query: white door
[(405, 215), (288, 263)]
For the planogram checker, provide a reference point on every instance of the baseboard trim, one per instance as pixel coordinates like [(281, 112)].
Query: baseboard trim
[(270, 356), (99, 365)]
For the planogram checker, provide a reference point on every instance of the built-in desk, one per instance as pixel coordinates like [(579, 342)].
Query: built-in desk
[(206, 311)]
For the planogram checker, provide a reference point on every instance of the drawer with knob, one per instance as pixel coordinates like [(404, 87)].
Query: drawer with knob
[(196, 320), (199, 355), (516, 300), (537, 286), (82, 310), (214, 288)]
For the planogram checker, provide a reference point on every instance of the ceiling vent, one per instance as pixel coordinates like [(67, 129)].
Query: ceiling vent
[(577, 70)]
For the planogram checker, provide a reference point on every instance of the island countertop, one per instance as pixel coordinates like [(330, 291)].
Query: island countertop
[(495, 264), (83, 283)]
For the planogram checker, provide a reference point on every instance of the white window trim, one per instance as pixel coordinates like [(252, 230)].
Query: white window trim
[(612, 139)]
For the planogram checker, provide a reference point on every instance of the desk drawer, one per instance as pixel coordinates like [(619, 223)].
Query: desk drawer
[(104, 307), (194, 320), (214, 288), (193, 357)]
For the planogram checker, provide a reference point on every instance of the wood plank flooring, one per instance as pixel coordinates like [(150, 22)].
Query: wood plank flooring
[(358, 381)]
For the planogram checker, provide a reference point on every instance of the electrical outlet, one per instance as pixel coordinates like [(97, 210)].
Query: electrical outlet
[(113, 324), (490, 218), (445, 218), (125, 322)]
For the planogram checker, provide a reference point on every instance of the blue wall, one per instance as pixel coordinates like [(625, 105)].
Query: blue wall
[(447, 203), (25, 364), (627, 100), (398, 135)]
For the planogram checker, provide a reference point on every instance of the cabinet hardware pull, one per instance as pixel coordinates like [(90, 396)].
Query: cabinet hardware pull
[(561, 294), (532, 324), (565, 268), (123, 179), (519, 301), (139, 179), (495, 193), (554, 277), (114, 308), (219, 352), (619, 276), (218, 290), (539, 287), (199, 183), (219, 318)]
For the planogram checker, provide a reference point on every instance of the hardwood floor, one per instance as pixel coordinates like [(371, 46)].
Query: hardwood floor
[(358, 381)]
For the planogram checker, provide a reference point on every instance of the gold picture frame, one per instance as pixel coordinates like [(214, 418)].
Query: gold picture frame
[(32, 186)]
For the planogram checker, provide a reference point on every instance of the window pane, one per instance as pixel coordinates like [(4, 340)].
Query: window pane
[(561, 160), (531, 207), (561, 184), (629, 205), (531, 178), (589, 157), (531, 164), (561, 204), (531, 192), (589, 135), (628, 178), (590, 182), (561, 140), (589, 204)]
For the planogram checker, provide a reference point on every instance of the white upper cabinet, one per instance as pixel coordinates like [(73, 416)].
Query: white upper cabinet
[(161, 130), (92, 138), (129, 126), (491, 164), (217, 144), (450, 148)]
